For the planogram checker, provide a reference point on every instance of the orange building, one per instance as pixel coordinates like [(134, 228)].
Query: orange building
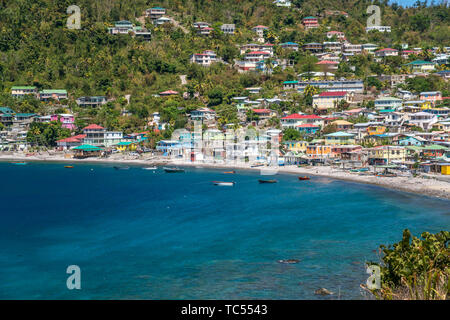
[(376, 130), (319, 151)]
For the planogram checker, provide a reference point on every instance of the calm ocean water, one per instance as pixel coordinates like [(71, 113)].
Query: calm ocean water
[(139, 234)]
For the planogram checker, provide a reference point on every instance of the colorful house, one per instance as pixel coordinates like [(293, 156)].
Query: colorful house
[(375, 130), (310, 22), (342, 125), (340, 138), (126, 146), (318, 151), (67, 120), (383, 155), (445, 168), (434, 151), (431, 96), (295, 119), (70, 142), (296, 146), (308, 128)]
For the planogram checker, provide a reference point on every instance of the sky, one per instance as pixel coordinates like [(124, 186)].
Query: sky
[(405, 3), (408, 3)]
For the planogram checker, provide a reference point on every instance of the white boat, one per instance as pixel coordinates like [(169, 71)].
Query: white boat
[(150, 168), (224, 183)]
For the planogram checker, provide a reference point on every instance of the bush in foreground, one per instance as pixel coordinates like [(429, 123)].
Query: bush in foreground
[(414, 268)]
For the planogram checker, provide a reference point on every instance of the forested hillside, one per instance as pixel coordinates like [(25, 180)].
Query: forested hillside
[(38, 49)]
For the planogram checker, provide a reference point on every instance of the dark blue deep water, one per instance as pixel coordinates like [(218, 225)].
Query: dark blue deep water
[(139, 234)]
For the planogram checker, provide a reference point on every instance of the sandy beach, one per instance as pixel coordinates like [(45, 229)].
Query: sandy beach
[(423, 185)]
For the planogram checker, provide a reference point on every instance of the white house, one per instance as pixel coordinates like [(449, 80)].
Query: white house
[(425, 120), (206, 58), (228, 28)]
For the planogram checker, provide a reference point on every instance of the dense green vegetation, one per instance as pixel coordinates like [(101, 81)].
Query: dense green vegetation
[(37, 49), (416, 268)]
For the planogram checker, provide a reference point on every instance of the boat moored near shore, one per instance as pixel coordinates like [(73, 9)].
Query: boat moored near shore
[(267, 181), (224, 183)]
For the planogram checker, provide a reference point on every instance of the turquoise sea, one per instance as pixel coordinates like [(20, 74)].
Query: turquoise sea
[(138, 234)]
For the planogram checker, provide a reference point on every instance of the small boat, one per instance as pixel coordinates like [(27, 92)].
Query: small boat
[(388, 175), (303, 178), (19, 163), (68, 167), (289, 261), (267, 181), (359, 170), (121, 168), (230, 172), (150, 168), (224, 183), (173, 170)]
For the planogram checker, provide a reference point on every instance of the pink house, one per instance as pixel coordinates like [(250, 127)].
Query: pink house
[(431, 96), (67, 120)]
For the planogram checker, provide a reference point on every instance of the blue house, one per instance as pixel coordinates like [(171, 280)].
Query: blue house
[(411, 141), (308, 128)]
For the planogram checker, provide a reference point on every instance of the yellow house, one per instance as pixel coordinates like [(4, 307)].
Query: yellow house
[(426, 105), (296, 146), (342, 124), (126, 146), (445, 169), (376, 130), (386, 155)]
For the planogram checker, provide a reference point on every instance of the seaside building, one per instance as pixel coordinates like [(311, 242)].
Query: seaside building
[(95, 135), (69, 143), (383, 155)]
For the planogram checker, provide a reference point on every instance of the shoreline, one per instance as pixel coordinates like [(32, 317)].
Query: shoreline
[(416, 185)]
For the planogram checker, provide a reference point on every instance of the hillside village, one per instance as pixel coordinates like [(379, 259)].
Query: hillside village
[(333, 102)]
